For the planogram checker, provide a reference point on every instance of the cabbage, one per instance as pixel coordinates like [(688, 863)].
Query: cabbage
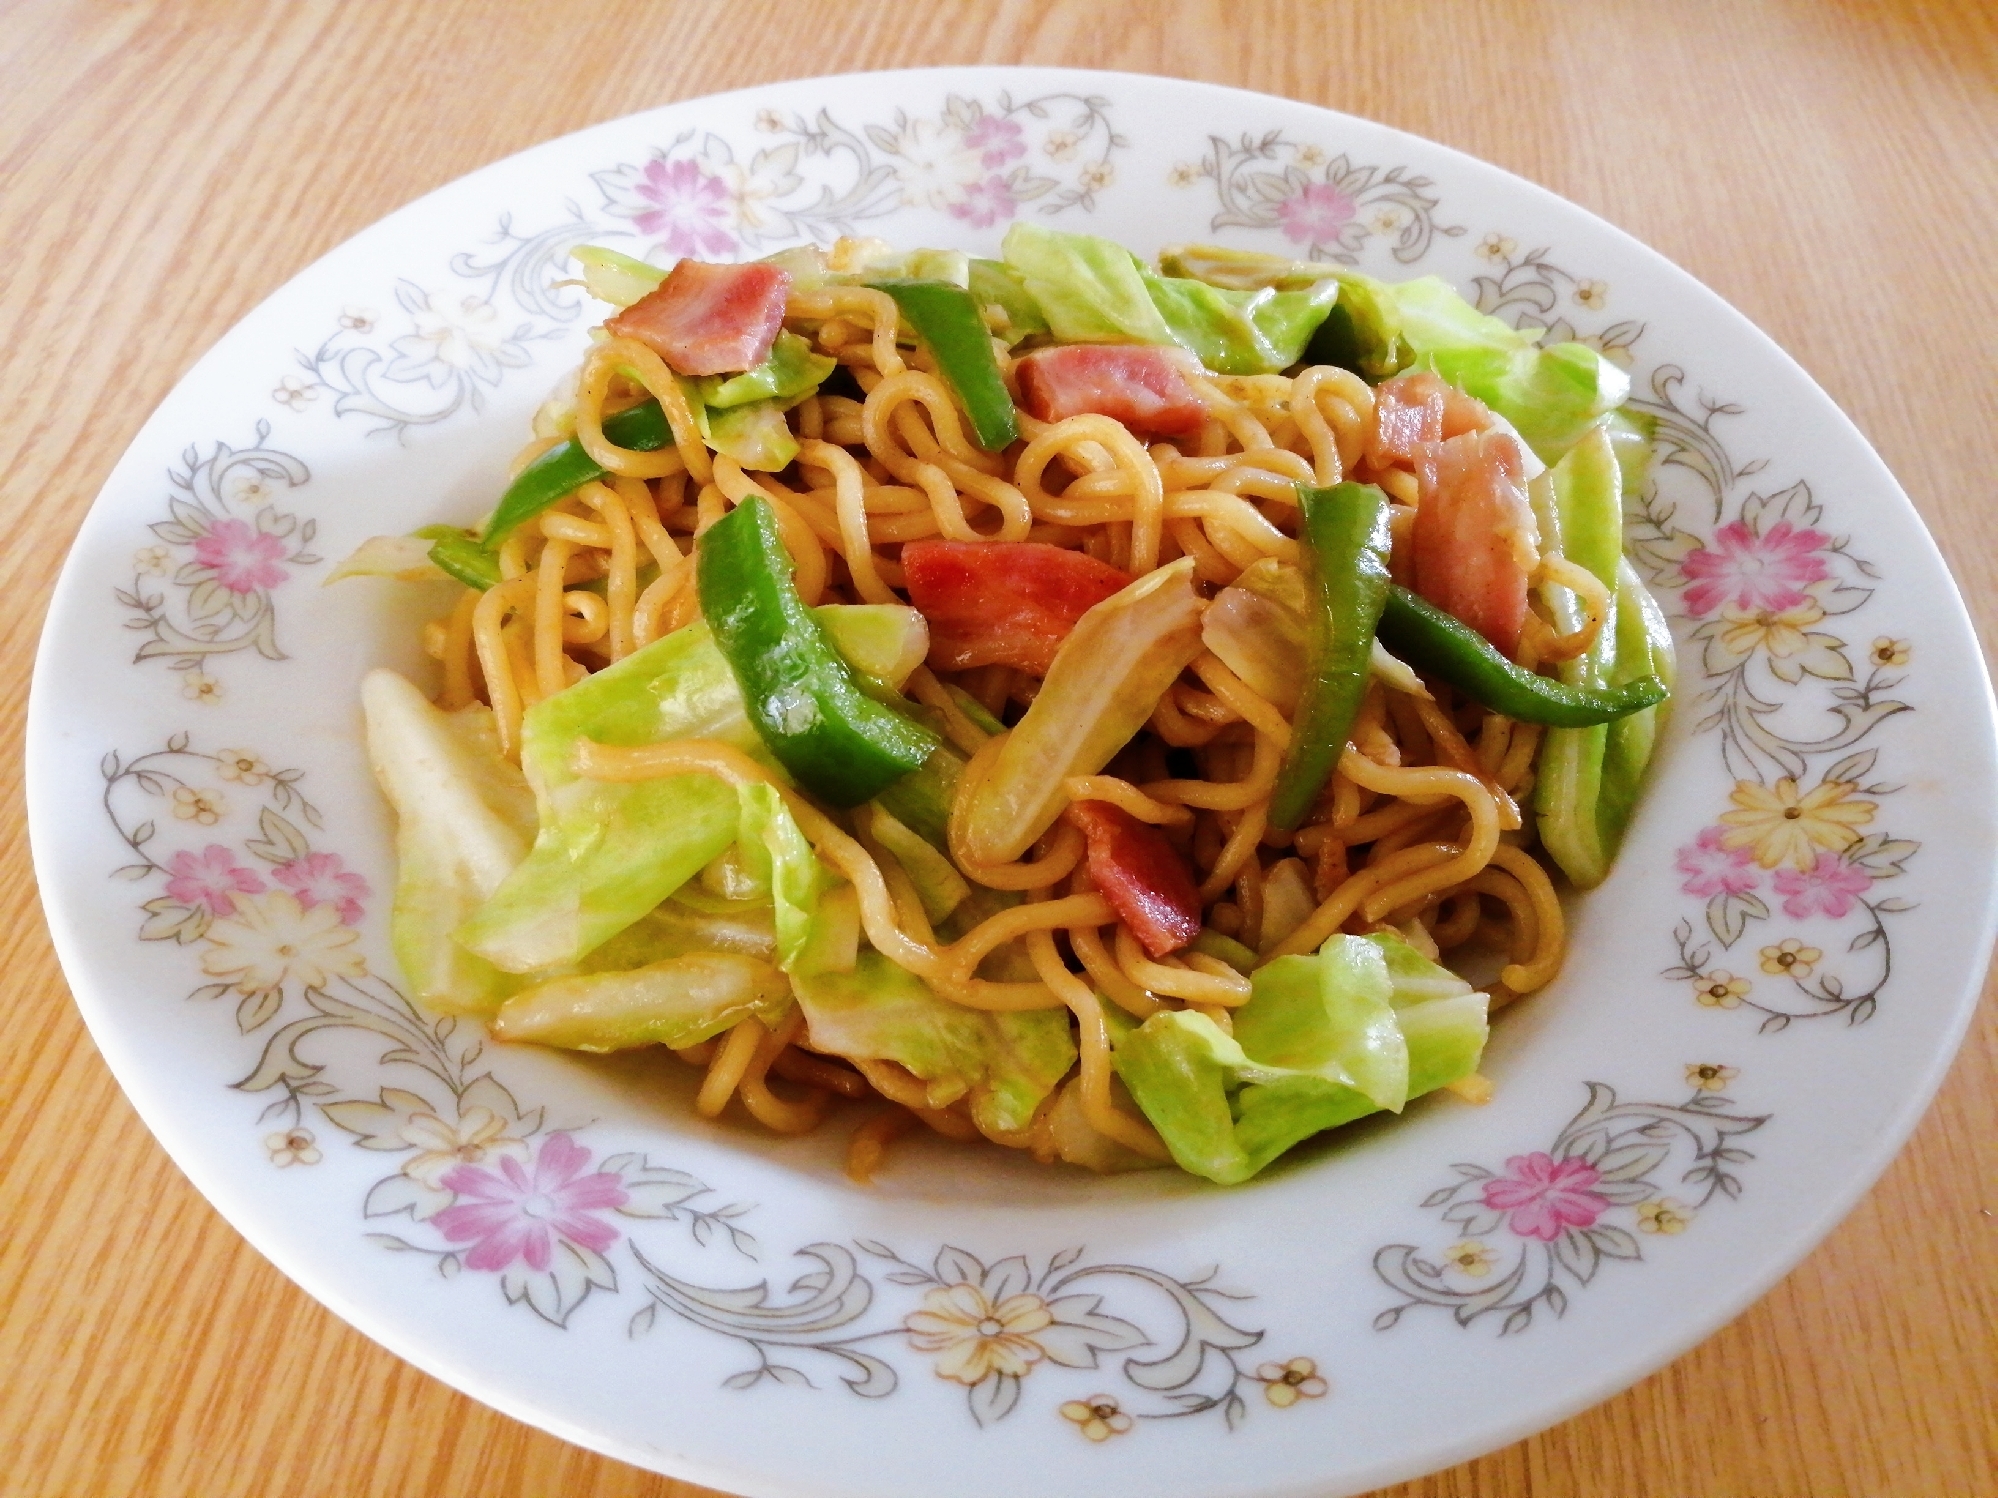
[(677, 1001), (756, 435), (1365, 1023), (994, 283), (1092, 290), (1241, 332), (1006, 1063), (613, 277), (463, 820), (791, 372), (607, 852), (405, 558)]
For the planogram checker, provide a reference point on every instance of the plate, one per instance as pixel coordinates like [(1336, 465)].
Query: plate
[(1742, 1038)]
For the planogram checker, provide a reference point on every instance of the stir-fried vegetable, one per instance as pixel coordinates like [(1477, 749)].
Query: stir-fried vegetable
[(803, 697), (1588, 778), (792, 370), (1107, 677), (608, 852), (1005, 1064), (946, 318), (1366, 1023), (566, 467), (1432, 641), (464, 817), (677, 1001), (1094, 290), (1346, 545)]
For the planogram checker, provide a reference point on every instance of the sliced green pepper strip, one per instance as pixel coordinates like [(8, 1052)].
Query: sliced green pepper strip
[(465, 559), (566, 467), (1443, 646), (947, 320), (1345, 554), (806, 702)]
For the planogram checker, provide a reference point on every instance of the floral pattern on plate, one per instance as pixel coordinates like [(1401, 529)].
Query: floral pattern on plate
[(1794, 702), (1528, 1235), (1325, 205), (203, 587), (449, 345), (1755, 581), (989, 1327), (229, 844)]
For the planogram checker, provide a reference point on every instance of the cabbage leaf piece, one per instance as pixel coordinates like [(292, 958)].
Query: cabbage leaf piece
[(1550, 394), (675, 1001), (1093, 290), (1366, 1023), (1005, 1063), (606, 853), (464, 817)]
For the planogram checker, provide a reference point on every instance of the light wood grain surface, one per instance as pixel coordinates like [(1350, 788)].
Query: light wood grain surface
[(1829, 168)]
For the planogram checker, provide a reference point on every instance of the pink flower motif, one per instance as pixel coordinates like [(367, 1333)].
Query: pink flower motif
[(319, 878), (1714, 869), (520, 1211), (987, 202), (996, 136), (1315, 213), (1827, 888), (1546, 1196), (211, 877), (1755, 573), (689, 208), (243, 558)]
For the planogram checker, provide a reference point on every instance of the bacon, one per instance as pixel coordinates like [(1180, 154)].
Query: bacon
[(1474, 539), (1002, 603), (1142, 875), (709, 319), (1413, 409), (1143, 387)]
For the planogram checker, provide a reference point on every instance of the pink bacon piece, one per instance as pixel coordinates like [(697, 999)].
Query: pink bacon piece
[(1144, 877), (1474, 534), (1416, 409), (1143, 387), (707, 319)]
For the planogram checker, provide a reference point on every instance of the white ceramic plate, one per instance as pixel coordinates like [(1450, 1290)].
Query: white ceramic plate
[(1732, 1055)]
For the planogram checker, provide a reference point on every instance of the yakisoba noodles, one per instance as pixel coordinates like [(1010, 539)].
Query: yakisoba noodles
[(1201, 657)]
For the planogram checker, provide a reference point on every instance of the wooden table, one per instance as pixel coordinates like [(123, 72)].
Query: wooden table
[(1830, 168)]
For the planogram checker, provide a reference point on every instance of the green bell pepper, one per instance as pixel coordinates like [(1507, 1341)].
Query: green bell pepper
[(805, 701), (565, 468), (947, 320), (1435, 642), (1345, 554)]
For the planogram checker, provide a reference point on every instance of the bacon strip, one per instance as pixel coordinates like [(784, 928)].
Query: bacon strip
[(1141, 874), (1474, 538), (1009, 603), (1143, 387), (709, 319), (1415, 409)]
